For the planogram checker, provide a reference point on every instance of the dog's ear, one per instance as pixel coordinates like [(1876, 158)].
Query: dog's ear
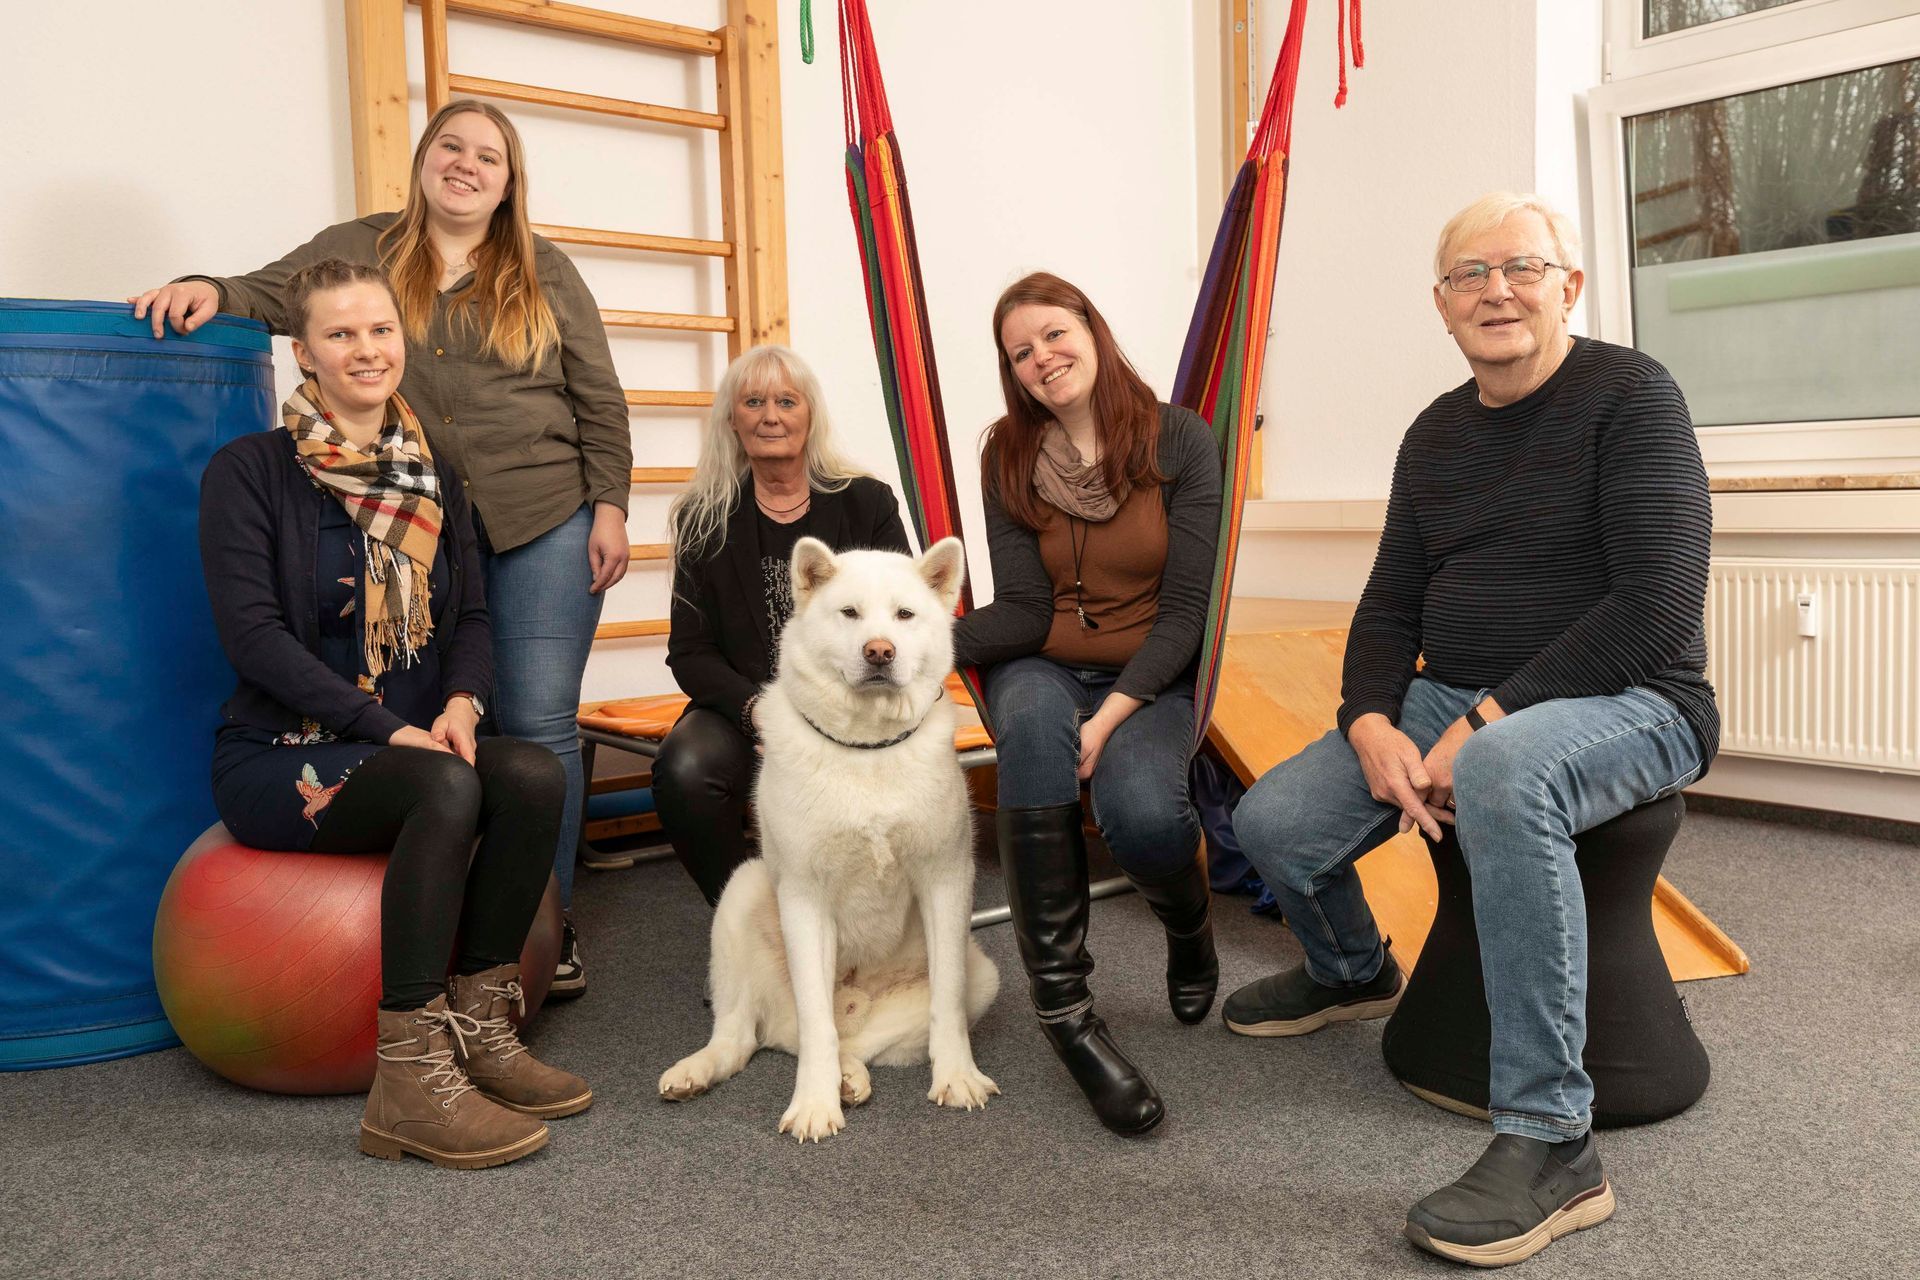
[(945, 568), (813, 567)]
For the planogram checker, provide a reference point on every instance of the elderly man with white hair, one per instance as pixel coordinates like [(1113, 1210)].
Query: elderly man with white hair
[(1545, 552)]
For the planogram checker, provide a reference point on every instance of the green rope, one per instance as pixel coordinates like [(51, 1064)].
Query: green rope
[(806, 31)]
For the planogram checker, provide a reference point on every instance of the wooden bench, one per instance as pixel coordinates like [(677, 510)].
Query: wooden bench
[(1280, 689)]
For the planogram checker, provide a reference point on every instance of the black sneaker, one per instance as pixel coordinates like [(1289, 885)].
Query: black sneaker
[(570, 975), (1292, 1003), (1518, 1198)]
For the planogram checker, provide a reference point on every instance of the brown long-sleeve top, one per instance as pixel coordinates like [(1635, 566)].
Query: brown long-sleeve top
[(531, 446), (1033, 599), (1118, 564)]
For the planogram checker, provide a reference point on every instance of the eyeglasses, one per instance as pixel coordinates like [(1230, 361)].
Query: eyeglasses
[(1472, 277)]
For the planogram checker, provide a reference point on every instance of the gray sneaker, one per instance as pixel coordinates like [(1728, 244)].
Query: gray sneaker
[(1519, 1197), (605, 859), (1292, 1003), (570, 975)]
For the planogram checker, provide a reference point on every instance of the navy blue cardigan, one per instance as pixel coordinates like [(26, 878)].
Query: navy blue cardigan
[(259, 536)]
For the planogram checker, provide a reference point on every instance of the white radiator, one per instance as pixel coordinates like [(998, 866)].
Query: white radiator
[(1849, 693)]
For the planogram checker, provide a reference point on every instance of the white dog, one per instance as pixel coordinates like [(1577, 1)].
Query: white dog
[(847, 941)]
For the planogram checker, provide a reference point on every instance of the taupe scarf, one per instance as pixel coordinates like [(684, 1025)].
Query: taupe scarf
[(1077, 488)]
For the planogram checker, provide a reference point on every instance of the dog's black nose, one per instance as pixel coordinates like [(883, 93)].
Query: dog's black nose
[(878, 653)]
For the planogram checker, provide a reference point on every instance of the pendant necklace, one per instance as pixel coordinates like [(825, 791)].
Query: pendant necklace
[(1075, 528), (784, 511)]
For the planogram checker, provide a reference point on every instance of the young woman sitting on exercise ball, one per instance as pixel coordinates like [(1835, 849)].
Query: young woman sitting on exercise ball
[(346, 590)]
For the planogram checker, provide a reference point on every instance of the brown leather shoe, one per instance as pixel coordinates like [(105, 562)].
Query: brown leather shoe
[(422, 1104), (495, 1060)]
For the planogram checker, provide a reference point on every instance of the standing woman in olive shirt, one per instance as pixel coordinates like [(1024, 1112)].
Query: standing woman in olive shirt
[(509, 371), (1103, 510)]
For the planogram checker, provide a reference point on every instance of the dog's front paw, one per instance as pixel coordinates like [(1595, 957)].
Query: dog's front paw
[(967, 1087), (810, 1119), (688, 1078), (856, 1085)]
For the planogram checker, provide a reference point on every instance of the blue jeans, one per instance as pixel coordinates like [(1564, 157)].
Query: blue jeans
[(543, 622), (1523, 787), (1140, 800)]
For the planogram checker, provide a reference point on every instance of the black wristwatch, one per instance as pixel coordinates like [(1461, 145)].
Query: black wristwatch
[(1475, 720)]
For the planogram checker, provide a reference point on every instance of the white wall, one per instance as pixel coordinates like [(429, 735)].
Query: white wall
[(1021, 154), (144, 141), (1356, 347)]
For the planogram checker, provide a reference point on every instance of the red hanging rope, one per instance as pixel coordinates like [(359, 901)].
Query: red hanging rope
[(1276, 114), (860, 63), (1359, 53)]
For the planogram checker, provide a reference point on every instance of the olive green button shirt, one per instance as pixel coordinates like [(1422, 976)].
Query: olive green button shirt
[(531, 446)]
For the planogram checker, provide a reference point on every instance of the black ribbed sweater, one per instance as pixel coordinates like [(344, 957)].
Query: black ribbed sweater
[(1555, 547)]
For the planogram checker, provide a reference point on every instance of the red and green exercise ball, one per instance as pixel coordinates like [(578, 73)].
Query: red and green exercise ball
[(268, 964)]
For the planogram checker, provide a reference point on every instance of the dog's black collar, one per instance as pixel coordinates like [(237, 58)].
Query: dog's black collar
[(894, 741)]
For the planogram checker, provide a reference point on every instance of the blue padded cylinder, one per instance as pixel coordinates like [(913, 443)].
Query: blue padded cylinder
[(110, 676)]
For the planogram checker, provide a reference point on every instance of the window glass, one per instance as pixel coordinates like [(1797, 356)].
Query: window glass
[(1776, 247), (1664, 17)]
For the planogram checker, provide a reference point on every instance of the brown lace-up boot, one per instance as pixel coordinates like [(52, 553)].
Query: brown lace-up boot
[(495, 1060), (422, 1103)]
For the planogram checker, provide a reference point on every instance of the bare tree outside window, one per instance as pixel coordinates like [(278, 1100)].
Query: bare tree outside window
[(1817, 162), (1664, 17), (1774, 238)]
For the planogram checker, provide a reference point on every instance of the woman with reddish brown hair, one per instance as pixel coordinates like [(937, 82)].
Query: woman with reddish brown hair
[(1103, 511)]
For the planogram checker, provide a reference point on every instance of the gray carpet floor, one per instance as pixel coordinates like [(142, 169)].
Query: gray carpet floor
[(1278, 1158)]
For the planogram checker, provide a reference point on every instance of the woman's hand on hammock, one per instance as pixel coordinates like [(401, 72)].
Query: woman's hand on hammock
[(1099, 727)]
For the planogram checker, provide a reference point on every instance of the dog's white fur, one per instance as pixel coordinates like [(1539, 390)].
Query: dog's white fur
[(847, 941)]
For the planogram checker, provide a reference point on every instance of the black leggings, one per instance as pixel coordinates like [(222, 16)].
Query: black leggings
[(702, 781), (427, 807)]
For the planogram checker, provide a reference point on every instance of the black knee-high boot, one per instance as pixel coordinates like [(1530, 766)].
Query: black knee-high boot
[(1183, 904), (1044, 857)]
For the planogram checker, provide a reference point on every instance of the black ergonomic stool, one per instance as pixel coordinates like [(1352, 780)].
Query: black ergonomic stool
[(1645, 1061)]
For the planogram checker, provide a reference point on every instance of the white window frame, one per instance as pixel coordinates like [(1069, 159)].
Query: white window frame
[(1827, 447), (1627, 52)]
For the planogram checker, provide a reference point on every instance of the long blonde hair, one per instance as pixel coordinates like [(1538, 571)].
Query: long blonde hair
[(699, 515), (506, 300)]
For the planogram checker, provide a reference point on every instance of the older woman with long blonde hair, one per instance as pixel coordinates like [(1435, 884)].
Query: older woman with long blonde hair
[(509, 371), (768, 475)]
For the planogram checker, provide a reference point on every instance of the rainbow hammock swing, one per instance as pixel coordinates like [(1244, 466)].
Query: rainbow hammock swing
[(1220, 364)]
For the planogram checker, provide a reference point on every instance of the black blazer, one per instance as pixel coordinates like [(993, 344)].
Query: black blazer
[(719, 648)]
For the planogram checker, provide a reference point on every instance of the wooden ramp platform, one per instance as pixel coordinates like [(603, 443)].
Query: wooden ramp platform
[(1280, 689)]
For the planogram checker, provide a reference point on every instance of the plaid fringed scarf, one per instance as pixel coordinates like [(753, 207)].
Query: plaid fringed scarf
[(392, 495)]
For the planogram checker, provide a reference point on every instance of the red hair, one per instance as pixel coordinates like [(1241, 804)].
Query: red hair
[(1126, 413)]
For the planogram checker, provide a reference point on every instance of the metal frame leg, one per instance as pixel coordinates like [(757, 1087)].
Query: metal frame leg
[(986, 916), (591, 740)]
